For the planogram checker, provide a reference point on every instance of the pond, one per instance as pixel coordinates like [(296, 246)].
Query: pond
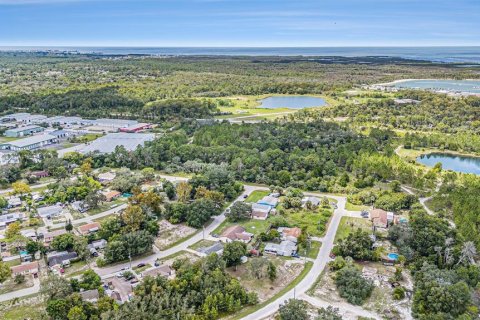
[(453, 162), (471, 86), (292, 102)]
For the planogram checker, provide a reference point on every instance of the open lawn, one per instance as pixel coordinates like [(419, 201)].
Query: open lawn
[(314, 221), (349, 224), (353, 207), (253, 226), (32, 312), (312, 252), (76, 268), (257, 195), (107, 206), (201, 244)]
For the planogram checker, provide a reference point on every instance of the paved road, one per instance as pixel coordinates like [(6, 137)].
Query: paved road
[(21, 293), (318, 265), (33, 187)]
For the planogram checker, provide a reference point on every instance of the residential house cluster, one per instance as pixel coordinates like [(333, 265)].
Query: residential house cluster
[(262, 208), (288, 242)]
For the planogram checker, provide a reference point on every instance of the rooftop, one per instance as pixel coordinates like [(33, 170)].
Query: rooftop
[(20, 143), (20, 129), (109, 142)]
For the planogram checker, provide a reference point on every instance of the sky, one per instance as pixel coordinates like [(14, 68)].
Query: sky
[(239, 23)]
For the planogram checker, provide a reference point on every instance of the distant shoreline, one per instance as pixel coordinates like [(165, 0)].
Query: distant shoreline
[(460, 55)]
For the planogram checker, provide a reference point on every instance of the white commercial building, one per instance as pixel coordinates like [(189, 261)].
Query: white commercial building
[(30, 143), (114, 123), (108, 143)]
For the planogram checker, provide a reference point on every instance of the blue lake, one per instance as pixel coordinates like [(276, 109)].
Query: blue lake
[(471, 86), (452, 162), (292, 102)]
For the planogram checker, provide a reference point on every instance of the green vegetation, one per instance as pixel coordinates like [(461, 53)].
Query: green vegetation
[(256, 195), (349, 224)]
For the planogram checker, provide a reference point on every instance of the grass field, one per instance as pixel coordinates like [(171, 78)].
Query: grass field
[(32, 312), (349, 224), (312, 253), (314, 221), (252, 226), (353, 207), (257, 195)]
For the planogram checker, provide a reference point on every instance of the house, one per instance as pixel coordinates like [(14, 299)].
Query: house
[(286, 248), (60, 258), (23, 131), (89, 228), (99, 244), (379, 218), (136, 128), (26, 268), (90, 295), (106, 177), (269, 201), (30, 143), (40, 174), (217, 248), (290, 234), (29, 233), (111, 195), (50, 211), (260, 211), (14, 202), (80, 206), (6, 219), (49, 236), (236, 233), (313, 201), (164, 271)]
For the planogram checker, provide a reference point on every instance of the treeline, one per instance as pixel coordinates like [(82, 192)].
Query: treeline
[(462, 142), (436, 112), (97, 103)]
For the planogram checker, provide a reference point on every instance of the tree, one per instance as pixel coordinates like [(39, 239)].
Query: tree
[(272, 271), (183, 190), (5, 272), (57, 309), (76, 313), (13, 230), (20, 188), (133, 217), (293, 310), (148, 174), (130, 244), (90, 280), (19, 278), (55, 287), (63, 242), (69, 226), (352, 286), (3, 203), (328, 313), (200, 211), (239, 211), (233, 252), (357, 245), (257, 266), (86, 166), (94, 199)]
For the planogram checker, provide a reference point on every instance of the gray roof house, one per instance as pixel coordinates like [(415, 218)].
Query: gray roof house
[(285, 248), (50, 211), (55, 258), (313, 200)]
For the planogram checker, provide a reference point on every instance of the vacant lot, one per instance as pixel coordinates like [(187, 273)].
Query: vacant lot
[(257, 195), (287, 271), (253, 226), (170, 234), (349, 224), (314, 221)]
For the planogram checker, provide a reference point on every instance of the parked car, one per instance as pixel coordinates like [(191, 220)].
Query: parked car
[(245, 196), (295, 255), (157, 263), (140, 265)]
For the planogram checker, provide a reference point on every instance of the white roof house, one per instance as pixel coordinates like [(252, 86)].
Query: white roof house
[(109, 142), (29, 143), (313, 200), (50, 211), (286, 248)]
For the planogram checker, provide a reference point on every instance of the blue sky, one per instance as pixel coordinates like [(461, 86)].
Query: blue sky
[(239, 22)]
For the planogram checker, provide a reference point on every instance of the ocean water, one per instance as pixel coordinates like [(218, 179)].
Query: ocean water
[(437, 54)]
